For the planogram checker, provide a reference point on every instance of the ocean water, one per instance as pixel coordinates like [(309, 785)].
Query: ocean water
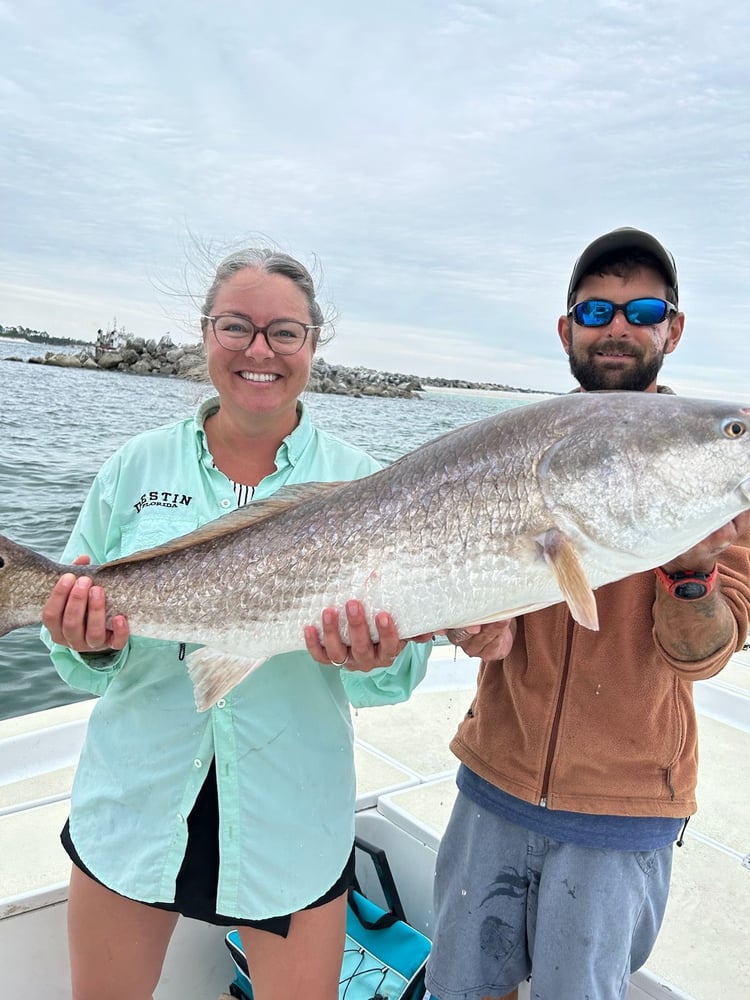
[(58, 425)]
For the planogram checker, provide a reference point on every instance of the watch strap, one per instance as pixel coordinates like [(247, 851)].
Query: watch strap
[(688, 584)]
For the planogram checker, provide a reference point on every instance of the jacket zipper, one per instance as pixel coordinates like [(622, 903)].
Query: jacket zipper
[(556, 721)]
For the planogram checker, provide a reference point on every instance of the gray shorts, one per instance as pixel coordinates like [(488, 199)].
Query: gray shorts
[(510, 904)]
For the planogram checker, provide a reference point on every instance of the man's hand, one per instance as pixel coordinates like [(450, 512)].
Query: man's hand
[(702, 557), (491, 641)]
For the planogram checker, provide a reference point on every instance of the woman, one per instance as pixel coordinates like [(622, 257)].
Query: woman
[(242, 815)]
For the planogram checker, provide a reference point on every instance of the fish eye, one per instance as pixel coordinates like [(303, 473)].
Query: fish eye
[(734, 428)]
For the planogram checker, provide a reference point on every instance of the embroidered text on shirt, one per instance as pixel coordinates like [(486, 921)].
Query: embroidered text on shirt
[(161, 498)]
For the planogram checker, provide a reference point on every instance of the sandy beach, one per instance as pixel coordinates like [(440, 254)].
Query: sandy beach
[(529, 396)]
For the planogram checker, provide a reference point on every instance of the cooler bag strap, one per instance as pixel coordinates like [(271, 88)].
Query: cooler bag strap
[(385, 877), (387, 920)]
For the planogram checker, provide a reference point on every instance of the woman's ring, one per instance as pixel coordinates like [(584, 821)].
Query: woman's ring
[(343, 662)]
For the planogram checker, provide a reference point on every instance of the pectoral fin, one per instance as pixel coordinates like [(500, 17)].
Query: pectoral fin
[(562, 558), (213, 673)]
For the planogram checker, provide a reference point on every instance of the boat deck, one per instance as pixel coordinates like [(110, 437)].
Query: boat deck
[(405, 791), (702, 949)]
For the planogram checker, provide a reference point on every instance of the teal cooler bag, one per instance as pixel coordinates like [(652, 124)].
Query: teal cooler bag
[(384, 956)]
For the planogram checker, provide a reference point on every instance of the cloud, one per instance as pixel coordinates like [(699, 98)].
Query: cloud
[(445, 161)]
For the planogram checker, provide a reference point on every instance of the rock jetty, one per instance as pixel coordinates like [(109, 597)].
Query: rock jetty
[(137, 356)]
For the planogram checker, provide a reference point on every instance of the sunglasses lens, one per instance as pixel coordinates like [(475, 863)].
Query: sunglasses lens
[(646, 312), (594, 312), (638, 312)]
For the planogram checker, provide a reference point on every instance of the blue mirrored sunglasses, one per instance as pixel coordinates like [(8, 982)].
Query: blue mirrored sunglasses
[(638, 312)]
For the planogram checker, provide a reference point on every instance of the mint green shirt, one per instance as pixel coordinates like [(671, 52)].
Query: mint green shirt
[(282, 739)]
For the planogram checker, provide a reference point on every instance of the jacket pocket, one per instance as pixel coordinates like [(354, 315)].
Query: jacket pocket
[(680, 727)]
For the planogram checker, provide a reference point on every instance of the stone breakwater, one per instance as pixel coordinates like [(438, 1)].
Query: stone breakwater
[(138, 356)]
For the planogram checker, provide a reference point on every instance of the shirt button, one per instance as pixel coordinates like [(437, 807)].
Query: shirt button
[(226, 503), (180, 818), (221, 703), (198, 762)]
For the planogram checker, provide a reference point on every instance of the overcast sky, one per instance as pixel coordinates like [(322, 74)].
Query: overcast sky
[(443, 163)]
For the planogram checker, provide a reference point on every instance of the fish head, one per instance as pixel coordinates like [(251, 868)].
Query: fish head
[(642, 477)]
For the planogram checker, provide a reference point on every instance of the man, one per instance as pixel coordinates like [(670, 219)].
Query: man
[(578, 754)]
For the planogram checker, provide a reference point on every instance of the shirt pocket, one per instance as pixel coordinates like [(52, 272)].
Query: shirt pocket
[(155, 526)]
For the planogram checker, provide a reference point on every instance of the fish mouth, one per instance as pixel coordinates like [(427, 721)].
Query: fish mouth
[(744, 487), (258, 376)]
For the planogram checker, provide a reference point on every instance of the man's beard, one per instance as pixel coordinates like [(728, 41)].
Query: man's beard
[(592, 373)]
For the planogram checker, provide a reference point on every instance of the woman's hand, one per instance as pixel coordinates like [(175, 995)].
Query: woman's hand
[(363, 653), (75, 615)]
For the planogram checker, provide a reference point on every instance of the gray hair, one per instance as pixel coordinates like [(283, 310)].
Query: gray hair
[(272, 262)]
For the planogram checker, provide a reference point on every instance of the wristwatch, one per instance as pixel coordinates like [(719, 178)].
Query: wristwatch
[(687, 585)]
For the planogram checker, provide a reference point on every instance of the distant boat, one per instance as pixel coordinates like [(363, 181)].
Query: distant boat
[(108, 340)]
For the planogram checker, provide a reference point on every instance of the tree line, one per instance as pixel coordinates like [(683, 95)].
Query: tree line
[(37, 336)]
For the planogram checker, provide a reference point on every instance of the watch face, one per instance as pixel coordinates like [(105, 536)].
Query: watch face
[(690, 590)]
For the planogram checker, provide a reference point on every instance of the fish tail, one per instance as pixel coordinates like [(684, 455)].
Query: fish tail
[(26, 579)]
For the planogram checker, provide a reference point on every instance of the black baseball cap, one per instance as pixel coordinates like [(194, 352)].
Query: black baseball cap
[(625, 238)]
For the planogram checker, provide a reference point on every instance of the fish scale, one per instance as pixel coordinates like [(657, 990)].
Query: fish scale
[(538, 504)]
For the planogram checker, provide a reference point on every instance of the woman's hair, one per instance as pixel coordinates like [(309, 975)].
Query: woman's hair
[(272, 262)]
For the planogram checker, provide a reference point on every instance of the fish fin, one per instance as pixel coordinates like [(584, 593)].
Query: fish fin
[(563, 559), (244, 517), (214, 672), (503, 614)]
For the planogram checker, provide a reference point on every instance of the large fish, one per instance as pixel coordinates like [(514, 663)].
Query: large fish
[(539, 504)]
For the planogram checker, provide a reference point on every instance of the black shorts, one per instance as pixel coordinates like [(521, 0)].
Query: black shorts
[(197, 880)]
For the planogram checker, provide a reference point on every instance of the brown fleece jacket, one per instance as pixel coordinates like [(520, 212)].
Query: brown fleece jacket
[(598, 722)]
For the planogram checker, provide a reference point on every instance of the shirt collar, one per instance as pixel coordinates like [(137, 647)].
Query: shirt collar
[(659, 388), (291, 447), (296, 442)]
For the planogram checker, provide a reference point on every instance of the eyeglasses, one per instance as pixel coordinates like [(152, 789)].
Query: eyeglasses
[(638, 312), (283, 336)]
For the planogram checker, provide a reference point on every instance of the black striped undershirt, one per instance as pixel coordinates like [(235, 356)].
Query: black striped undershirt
[(243, 493)]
